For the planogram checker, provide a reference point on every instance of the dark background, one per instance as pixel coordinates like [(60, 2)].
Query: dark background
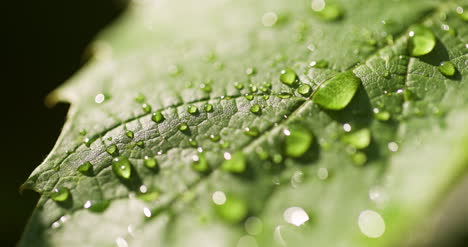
[(45, 43)]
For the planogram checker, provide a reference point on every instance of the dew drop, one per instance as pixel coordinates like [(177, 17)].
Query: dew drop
[(337, 92), (269, 19), (206, 87), (192, 109), (148, 195), (100, 98), (87, 141), (193, 142), (248, 96), (140, 98), (322, 173), (233, 210), (130, 134), (462, 13), (234, 163), (447, 68), (121, 167), (140, 144), (218, 197), (215, 138), (157, 117), (295, 216), (381, 115), (297, 141), (256, 108), (85, 168), (150, 162), (284, 95), (253, 88), (251, 131), (60, 194), (112, 149), (208, 107), (251, 71), (327, 12), (199, 163), (421, 40), (347, 127), (238, 85), (288, 77), (83, 132), (359, 139), (359, 158), (146, 108), (183, 127), (321, 64), (392, 146), (371, 224), (304, 89), (96, 206)]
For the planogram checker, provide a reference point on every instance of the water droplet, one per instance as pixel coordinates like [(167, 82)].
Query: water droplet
[(262, 153), (253, 225), (304, 90), (327, 12), (148, 195), (297, 141), (337, 92), (146, 108), (284, 95), (130, 134), (462, 13), (371, 224), (183, 127), (140, 98), (321, 64), (140, 144), (85, 168), (288, 77), (234, 163), (206, 87), (381, 115), (447, 68), (192, 109), (253, 88), (269, 19), (215, 138), (295, 216), (421, 40), (248, 96), (83, 132), (199, 163), (238, 85), (277, 158), (322, 173), (150, 162), (266, 97), (193, 142), (233, 210), (347, 127), (60, 194), (208, 107), (392, 146), (112, 149), (87, 142), (256, 108), (386, 74), (96, 206), (359, 158), (251, 131), (359, 139), (121, 167), (158, 117), (297, 178), (100, 98)]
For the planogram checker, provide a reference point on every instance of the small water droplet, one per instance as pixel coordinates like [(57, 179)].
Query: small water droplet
[(234, 163), (83, 132), (295, 216), (304, 90), (359, 139), (327, 11), (251, 71), (192, 109), (157, 117), (447, 68), (359, 158), (183, 127), (238, 85), (146, 108), (140, 98), (262, 153), (322, 173), (253, 88), (462, 13), (269, 19), (96, 206), (122, 167), (233, 210), (288, 77), (206, 87), (215, 138), (100, 98), (381, 115), (421, 40), (337, 92), (248, 96), (218, 197), (130, 134), (320, 64), (85, 168), (150, 162), (87, 141), (199, 163), (60, 194), (392, 146), (148, 195), (347, 127), (112, 149), (251, 131), (371, 224), (297, 140), (208, 107), (253, 225), (140, 144), (256, 108), (284, 95)]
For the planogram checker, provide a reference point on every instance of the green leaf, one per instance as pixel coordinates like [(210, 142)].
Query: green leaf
[(156, 70)]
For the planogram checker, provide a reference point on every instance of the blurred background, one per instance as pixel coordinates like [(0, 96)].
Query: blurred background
[(45, 43)]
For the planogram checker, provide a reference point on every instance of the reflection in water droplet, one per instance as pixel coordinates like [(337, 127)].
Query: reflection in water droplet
[(253, 225), (295, 216), (371, 224)]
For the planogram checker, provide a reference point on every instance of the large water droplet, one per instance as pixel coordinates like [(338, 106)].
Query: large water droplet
[(359, 139), (337, 92), (234, 163), (421, 40), (371, 224), (297, 141), (447, 68), (121, 167), (60, 194), (288, 77)]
